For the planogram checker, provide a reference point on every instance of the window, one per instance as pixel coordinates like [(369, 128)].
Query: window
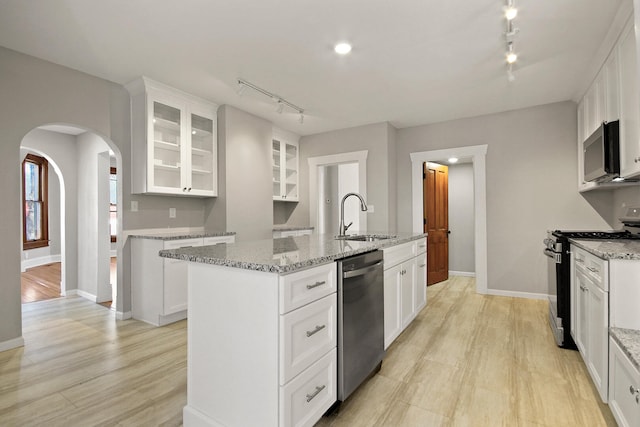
[(113, 208), (35, 211)]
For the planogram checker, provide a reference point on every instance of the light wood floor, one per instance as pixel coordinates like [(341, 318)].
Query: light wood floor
[(467, 360)]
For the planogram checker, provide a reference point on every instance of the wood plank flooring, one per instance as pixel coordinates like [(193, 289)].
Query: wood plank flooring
[(41, 283), (467, 360)]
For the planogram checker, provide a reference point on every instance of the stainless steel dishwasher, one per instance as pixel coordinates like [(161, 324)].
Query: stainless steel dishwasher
[(360, 320)]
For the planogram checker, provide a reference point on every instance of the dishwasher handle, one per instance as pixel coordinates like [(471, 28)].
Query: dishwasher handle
[(361, 271)]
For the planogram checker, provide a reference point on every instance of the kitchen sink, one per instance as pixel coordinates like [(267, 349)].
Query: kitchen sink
[(366, 237)]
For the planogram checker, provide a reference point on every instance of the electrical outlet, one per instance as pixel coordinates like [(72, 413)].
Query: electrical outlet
[(172, 212), (134, 206)]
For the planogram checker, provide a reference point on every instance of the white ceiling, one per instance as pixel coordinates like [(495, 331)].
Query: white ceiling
[(413, 61)]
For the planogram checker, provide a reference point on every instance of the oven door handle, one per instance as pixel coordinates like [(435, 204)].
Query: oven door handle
[(553, 255)]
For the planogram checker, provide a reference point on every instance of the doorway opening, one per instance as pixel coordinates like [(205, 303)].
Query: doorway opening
[(330, 178), (477, 156), (87, 256)]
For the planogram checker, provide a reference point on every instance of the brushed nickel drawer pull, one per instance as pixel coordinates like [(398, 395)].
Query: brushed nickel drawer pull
[(593, 269), (315, 285), (315, 393), (423, 265), (316, 330)]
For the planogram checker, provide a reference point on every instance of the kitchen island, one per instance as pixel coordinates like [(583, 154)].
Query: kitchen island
[(262, 328)]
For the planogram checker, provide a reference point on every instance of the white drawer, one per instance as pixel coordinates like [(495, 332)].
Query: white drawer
[(421, 246), (400, 253), (214, 240), (595, 268), (305, 335), (310, 394), (303, 287)]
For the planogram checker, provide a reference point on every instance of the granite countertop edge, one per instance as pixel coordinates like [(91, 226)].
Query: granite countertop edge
[(607, 249), (291, 228), (294, 266), (185, 235), (629, 341)]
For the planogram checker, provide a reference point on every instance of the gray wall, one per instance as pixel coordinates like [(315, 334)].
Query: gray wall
[(246, 203), (375, 139), (461, 217), (531, 185)]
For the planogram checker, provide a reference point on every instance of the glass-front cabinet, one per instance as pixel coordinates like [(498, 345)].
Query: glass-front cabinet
[(285, 169), (174, 142)]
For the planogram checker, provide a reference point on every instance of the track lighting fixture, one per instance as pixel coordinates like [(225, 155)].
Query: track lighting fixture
[(243, 84), (510, 13)]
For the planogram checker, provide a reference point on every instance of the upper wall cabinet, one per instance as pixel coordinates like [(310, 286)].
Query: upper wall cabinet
[(174, 141), (285, 167), (614, 96), (629, 105)]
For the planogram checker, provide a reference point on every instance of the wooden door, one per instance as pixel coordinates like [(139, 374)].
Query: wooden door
[(436, 221)]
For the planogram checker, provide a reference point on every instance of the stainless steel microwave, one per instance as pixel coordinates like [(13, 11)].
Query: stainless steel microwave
[(602, 153)]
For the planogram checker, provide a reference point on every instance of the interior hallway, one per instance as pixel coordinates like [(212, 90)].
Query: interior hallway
[(43, 282), (466, 360)]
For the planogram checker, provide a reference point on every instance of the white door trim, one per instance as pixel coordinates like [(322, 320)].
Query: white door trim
[(478, 154), (359, 157)]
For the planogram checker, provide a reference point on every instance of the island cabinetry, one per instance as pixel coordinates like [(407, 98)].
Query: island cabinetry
[(174, 141), (159, 285), (404, 290), (591, 282), (624, 387), (261, 347)]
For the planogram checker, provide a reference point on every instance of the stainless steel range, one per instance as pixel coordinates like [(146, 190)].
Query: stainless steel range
[(559, 273)]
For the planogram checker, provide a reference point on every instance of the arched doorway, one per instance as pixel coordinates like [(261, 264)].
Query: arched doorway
[(84, 160)]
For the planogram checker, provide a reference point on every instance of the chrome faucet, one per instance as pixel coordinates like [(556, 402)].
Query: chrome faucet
[(363, 208)]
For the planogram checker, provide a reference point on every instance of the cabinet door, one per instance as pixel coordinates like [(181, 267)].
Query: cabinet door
[(421, 282), (629, 108), (598, 339), (201, 154), (581, 337), (175, 278), (624, 382), (407, 303), (392, 319), (166, 144), (612, 88)]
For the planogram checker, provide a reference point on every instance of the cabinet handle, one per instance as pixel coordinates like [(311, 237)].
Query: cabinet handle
[(583, 288), (184, 189), (423, 265), (422, 246), (637, 159), (579, 260), (593, 270), (315, 285), (633, 390), (316, 330), (315, 393)]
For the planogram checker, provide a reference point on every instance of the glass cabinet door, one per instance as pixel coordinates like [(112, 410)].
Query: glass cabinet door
[(277, 191), (202, 155), (167, 144), (291, 172)]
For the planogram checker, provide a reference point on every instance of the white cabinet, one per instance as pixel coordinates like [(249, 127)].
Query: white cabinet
[(629, 105), (262, 346), (591, 284), (285, 169), (159, 285), (277, 234), (404, 289), (174, 141), (624, 387)]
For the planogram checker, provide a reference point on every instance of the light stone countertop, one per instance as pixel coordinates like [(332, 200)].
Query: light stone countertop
[(178, 235), (610, 249), (629, 341), (286, 254)]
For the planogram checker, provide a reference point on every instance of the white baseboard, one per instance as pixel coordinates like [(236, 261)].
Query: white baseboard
[(123, 316), (70, 292), (34, 262), (462, 273), (516, 294), (86, 295), (14, 343)]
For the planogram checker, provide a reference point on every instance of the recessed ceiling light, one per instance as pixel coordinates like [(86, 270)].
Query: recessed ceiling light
[(342, 48), (453, 159), (511, 57)]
